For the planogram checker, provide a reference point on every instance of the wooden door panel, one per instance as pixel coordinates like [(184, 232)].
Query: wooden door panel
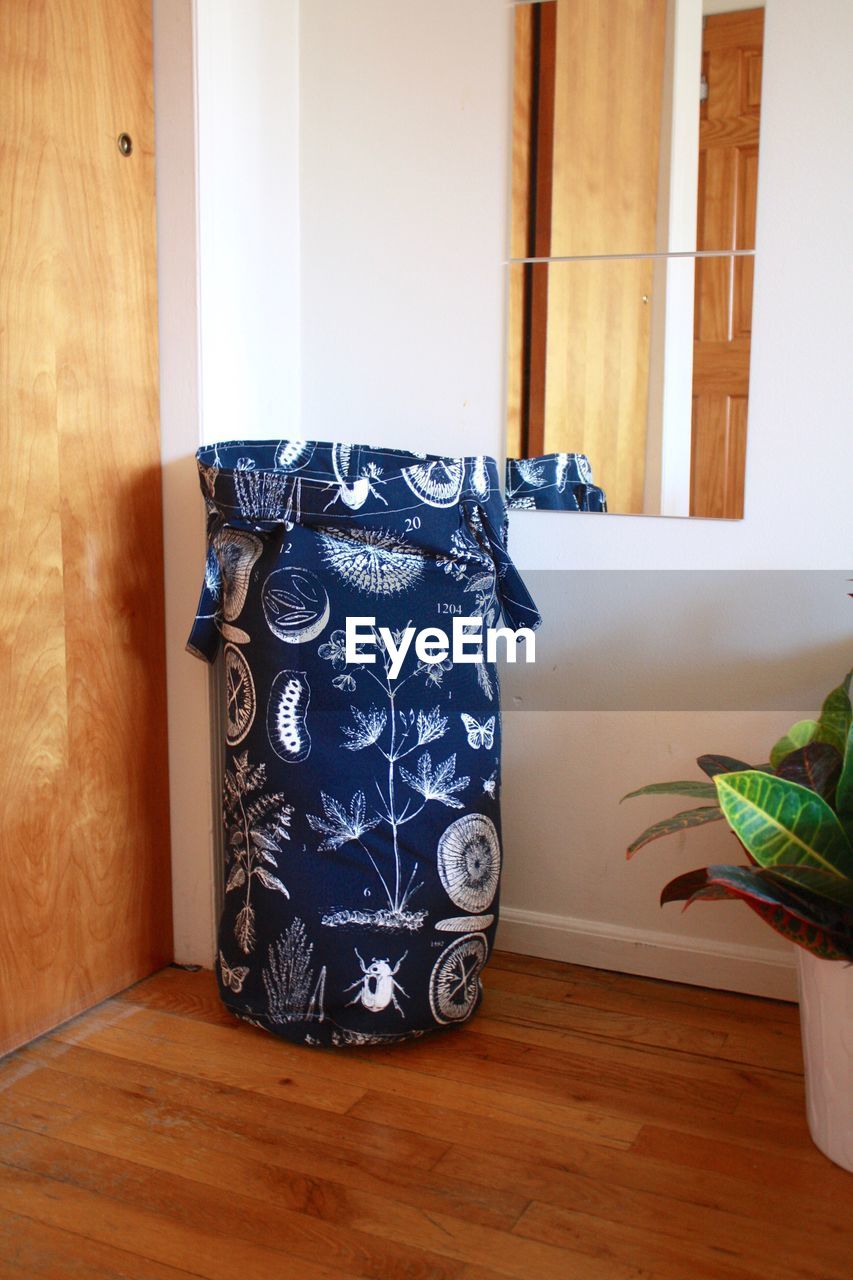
[(85, 885), (728, 176), (718, 453)]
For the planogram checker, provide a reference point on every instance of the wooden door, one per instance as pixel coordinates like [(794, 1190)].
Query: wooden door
[(728, 175), (84, 868)]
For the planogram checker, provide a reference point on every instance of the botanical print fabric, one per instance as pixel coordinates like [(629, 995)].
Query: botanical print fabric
[(552, 482), (361, 804)]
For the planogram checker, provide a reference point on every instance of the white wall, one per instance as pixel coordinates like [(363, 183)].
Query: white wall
[(402, 216), (404, 137)]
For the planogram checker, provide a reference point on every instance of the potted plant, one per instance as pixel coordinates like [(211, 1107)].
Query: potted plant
[(794, 818)]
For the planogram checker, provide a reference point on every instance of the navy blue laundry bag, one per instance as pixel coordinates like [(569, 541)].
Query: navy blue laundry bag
[(361, 802)]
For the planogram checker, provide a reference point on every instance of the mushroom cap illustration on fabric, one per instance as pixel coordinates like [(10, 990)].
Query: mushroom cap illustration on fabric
[(375, 561), (464, 924), (469, 861), (438, 483), (295, 605), (239, 696), (237, 552), (455, 979), (287, 726)]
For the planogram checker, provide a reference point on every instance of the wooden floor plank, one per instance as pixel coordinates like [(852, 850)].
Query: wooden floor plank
[(198, 1145), (586, 1126), (29, 1248)]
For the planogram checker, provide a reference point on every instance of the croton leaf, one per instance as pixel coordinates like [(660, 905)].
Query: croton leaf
[(701, 790), (714, 764), (816, 766), (678, 822), (827, 884), (822, 927), (835, 716), (799, 735), (781, 822), (844, 790)]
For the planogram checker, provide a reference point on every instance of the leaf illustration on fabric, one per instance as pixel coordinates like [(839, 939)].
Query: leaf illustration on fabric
[(261, 495), (431, 726), (530, 471), (375, 561), (256, 825), (440, 784), (293, 994), (368, 728), (338, 827)]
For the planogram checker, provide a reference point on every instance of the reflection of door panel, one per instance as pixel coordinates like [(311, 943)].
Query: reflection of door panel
[(728, 171), (579, 370), (84, 876), (598, 370)]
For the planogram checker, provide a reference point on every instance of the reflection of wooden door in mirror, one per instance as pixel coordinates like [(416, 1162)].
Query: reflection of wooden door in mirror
[(728, 172), (85, 869), (585, 179)]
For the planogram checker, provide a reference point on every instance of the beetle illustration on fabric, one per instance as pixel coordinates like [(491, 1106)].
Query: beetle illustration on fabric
[(353, 488), (378, 985)]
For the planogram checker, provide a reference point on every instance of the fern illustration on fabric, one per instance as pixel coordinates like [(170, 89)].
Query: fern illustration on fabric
[(395, 734), (255, 825), (293, 993)]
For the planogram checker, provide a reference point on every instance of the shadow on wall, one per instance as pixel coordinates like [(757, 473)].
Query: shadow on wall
[(639, 640)]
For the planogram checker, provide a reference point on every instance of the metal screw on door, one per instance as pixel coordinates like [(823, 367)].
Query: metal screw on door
[(124, 142)]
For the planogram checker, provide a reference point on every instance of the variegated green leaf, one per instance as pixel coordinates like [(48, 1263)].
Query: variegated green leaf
[(816, 766), (844, 790), (701, 790), (827, 884), (678, 822), (799, 734), (835, 717), (781, 822)]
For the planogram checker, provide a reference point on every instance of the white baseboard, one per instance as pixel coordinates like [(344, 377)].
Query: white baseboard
[(759, 971)]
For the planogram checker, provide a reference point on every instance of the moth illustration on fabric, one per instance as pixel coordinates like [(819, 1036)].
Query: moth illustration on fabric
[(255, 824), (479, 735), (234, 978)]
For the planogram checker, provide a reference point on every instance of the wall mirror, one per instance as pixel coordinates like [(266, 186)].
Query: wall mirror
[(634, 178)]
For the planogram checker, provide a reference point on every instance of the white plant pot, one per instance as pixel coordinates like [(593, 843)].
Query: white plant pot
[(826, 1019)]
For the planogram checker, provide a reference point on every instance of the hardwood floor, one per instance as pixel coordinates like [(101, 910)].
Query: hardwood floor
[(585, 1125)]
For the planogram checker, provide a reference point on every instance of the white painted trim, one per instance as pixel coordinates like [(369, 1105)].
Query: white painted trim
[(192, 800), (759, 971)]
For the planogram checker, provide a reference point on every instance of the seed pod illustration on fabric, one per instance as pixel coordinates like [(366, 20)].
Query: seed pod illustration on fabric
[(287, 726), (295, 605)]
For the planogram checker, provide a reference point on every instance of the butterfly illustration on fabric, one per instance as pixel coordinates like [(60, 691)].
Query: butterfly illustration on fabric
[(479, 735), (233, 978), (490, 784)]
